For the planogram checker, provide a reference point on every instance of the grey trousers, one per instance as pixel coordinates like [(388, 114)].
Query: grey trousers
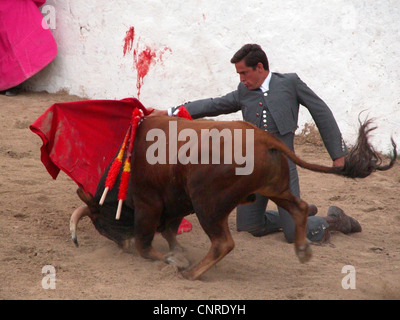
[(254, 218)]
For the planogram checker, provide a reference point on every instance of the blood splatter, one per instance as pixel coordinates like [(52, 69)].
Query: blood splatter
[(161, 53), (141, 60), (128, 40)]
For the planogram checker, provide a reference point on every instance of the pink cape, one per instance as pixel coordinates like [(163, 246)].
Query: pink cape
[(81, 138), (25, 46)]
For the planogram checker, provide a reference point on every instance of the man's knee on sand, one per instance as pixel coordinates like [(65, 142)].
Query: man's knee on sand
[(261, 231), (316, 227)]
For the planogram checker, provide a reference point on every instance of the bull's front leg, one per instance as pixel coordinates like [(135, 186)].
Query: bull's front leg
[(144, 246), (221, 244), (170, 234), (147, 219), (175, 256), (143, 243)]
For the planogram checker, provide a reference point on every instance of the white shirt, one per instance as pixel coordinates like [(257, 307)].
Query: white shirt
[(265, 86)]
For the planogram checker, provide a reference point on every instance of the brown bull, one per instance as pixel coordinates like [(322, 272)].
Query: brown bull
[(162, 194)]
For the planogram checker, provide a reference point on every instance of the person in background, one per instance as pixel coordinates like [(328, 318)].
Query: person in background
[(26, 47)]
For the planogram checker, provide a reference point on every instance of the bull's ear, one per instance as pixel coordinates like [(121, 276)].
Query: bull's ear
[(85, 197)]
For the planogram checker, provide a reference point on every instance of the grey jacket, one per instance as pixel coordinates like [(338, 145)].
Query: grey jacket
[(280, 105)]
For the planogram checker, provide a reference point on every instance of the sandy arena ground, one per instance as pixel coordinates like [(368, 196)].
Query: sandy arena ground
[(34, 232)]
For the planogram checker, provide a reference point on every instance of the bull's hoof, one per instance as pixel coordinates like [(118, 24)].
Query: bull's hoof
[(304, 252), (188, 274), (177, 259), (127, 246), (178, 249)]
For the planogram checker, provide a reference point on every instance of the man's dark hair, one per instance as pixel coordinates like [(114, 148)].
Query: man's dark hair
[(252, 55)]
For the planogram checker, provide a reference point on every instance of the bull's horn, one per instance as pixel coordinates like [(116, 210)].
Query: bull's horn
[(77, 215)]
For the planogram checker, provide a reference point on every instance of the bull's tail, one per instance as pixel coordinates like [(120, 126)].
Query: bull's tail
[(360, 162)]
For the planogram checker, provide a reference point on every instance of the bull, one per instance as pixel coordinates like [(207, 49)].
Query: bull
[(160, 195)]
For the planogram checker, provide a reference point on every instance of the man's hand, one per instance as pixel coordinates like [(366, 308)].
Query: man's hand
[(339, 162), (156, 112)]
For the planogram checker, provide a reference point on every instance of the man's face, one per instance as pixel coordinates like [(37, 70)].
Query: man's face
[(251, 78)]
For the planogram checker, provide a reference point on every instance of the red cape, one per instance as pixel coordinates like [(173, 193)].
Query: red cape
[(81, 138)]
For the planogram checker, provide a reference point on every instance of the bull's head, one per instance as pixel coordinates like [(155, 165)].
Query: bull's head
[(103, 218)]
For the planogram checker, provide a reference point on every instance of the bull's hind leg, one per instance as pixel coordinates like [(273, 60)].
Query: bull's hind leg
[(221, 244), (298, 209)]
